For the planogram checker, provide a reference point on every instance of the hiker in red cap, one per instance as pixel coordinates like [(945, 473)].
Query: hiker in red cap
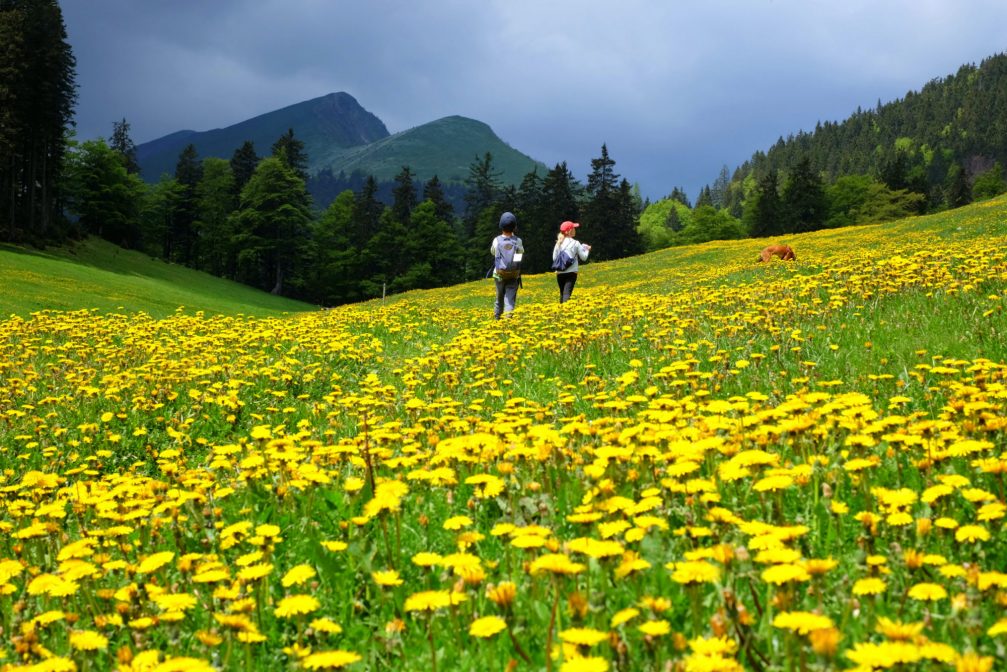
[(566, 256)]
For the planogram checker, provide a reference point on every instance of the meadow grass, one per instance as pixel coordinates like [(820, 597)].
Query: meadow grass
[(94, 274), (699, 463)]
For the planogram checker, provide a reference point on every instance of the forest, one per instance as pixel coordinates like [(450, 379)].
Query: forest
[(253, 218)]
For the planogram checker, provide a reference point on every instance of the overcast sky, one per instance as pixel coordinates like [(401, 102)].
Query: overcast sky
[(675, 88)]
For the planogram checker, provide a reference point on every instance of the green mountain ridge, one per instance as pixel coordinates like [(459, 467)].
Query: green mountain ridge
[(342, 137)]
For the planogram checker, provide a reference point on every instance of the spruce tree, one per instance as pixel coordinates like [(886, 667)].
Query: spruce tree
[(609, 222), (215, 203), (271, 226), (433, 191), (290, 150), (483, 188), (243, 163), (803, 200), (123, 143), (403, 196), (763, 210), (188, 172), (37, 97)]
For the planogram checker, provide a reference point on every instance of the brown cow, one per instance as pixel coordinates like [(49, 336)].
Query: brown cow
[(782, 251)]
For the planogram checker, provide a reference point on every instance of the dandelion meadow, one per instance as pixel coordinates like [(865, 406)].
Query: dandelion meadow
[(700, 464)]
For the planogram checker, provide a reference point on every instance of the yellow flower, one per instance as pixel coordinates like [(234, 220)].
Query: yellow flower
[(457, 523), (555, 563), (254, 572), (869, 586), (971, 533), (583, 636), (694, 572), (326, 625), (624, 616), (928, 592), (487, 626), (329, 660), (432, 600), (88, 640), (387, 578), (972, 662), (298, 575), (591, 664), (780, 574), (655, 628), (154, 562), (502, 594), (897, 630), (295, 605), (335, 546), (802, 622)]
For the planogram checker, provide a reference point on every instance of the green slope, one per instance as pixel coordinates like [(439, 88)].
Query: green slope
[(98, 275), (445, 148)]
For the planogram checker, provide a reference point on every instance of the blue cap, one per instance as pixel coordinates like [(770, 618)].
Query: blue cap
[(508, 220)]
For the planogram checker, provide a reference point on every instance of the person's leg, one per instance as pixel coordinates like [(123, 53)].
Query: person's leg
[(566, 288), (510, 296), (499, 303), (559, 283)]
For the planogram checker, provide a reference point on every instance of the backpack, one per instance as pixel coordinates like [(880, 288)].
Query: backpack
[(562, 261), (508, 267)]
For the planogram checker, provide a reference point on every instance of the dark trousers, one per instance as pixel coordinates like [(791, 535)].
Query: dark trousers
[(566, 281)]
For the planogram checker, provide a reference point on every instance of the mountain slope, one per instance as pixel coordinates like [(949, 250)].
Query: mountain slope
[(445, 147), (341, 136), (97, 274), (332, 121)]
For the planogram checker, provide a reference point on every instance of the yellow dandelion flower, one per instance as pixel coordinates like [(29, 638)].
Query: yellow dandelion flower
[(387, 578), (928, 592), (88, 640), (588, 664), (329, 660), (655, 628), (298, 575), (869, 586), (295, 605), (583, 636), (487, 626)]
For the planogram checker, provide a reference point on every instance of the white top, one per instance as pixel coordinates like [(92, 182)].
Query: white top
[(575, 249)]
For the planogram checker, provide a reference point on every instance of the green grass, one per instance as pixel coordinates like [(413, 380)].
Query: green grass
[(95, 274)]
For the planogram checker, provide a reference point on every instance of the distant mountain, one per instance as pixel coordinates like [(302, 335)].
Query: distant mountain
[(340, 136), (335, 121)]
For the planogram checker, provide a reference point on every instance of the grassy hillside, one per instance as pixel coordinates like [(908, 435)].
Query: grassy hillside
[(97, 274), (446, 148), (699, 463)]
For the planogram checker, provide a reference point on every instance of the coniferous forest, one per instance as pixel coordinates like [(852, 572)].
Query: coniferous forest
[(259, 218)]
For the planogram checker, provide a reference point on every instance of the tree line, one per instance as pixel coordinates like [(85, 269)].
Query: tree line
[(251, 219)]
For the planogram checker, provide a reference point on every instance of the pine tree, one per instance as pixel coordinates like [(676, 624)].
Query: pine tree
[(803, 200), (123, 143), (483, 187), (335, 263), (609, 221), (433, 191), (37, 97), (188, 172), (106, 198), (243, 163), (367, 210), (763, 211), (403, 196), (271, 225), (290, 150), (215, 203)]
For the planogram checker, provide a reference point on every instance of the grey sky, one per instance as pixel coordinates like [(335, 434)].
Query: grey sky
[(676, 89)]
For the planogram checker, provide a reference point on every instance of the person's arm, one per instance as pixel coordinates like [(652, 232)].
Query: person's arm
[(493, 247), (520, 246), (583, 250)]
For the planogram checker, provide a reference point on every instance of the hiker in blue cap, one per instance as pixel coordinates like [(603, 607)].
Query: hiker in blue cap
[(507, 251)]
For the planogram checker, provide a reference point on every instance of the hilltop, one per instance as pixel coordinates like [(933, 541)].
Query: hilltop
[(340, 136)]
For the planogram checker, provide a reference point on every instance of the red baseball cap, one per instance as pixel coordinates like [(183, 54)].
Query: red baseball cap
[(566, 226)]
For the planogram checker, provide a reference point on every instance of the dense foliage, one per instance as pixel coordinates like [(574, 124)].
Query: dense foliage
[(37, 97)]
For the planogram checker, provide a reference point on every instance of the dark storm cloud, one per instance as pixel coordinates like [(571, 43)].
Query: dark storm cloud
[(675, 89)]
